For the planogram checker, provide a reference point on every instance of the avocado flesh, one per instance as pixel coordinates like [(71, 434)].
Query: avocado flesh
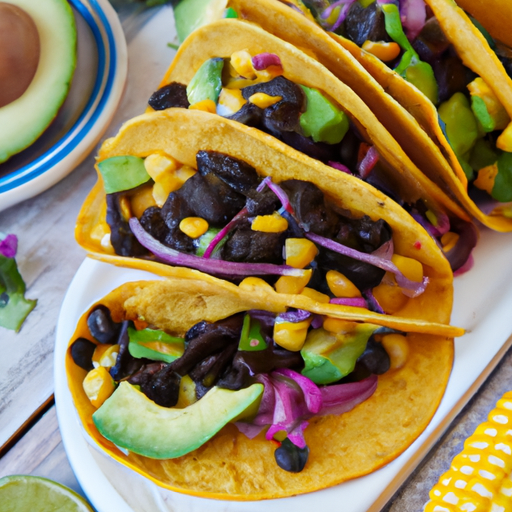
[(192, 14), (132, 421), (25, 119), (328, 357), (123, 173)]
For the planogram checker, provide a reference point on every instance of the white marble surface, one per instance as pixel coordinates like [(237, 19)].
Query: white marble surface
[(48, 255)]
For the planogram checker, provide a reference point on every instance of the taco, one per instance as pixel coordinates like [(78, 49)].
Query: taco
[(442, 70), (185, 382), (245, 74), (228, 202)]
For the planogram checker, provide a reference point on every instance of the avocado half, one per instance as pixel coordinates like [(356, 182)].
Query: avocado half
[(25, 119)]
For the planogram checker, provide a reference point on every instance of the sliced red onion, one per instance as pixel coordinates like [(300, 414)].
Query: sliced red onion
[(341, 17), (443, 223), (265, 60), (357, 302), (339, 167), (460, 255), (223, 232), (317, 321), (280, 193), (294, 316), (368, 162), (340, 398), (466, 267), (311, 391), (413, 15), (386, 250), (409, 288), (249, 429), (211, 266), (371, 301), (8, 245), (265, 414)]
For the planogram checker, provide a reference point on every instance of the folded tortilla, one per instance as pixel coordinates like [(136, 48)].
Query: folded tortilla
[(224, 37), (181, 133), (408, 114), (232, 467)]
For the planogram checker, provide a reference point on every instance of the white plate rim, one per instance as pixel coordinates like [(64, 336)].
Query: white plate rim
[(58, 161)]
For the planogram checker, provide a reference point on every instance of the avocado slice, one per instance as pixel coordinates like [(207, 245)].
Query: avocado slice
[(123, 173), (23, 120), (206, 84), (322, 120), (154, 344), (328, 357), (192, 14), (132, 421)]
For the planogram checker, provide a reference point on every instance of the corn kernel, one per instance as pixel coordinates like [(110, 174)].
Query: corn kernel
[(142, 200), (290, 335), (194, 227), (98, 385), (389, 296), (232, 99), (300, 252), (486, 177), (242, 63), (410, 268), (184, 173), (448, 240), (249, 283), (125, 207), (105, 355), (206, 105), (316, 296), (262, 100), (341, 286), (158, 164), (383, 51), (337, 325), (397, 348), (292, 284), (187, 393), (270, 223), (504, 141)]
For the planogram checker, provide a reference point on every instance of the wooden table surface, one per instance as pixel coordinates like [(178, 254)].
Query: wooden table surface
[(48, 258)]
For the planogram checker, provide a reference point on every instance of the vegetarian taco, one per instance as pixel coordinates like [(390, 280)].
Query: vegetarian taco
[(243, 73), (189, 383), (186, 193), (442, 67)]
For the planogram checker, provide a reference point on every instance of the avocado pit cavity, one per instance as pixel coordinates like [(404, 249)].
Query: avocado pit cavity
[(19, 52)]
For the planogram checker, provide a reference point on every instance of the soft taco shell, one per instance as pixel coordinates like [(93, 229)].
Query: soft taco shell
[(222, 38), (232, 467), (182, 133)]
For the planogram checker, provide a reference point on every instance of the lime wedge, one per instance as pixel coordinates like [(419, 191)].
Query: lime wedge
[(22, 493)]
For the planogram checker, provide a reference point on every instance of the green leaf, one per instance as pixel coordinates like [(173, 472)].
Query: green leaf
[(502, 190), (14, 308)]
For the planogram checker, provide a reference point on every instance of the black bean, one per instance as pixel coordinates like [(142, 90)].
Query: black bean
[(81, 352), (365, 23), (101, 326), (290, 457), (170, 95), (375, 358)]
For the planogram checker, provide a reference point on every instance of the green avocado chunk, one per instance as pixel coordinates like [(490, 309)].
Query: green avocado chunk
[(154, 344), (24, 120), (192, 14), (206, 84), (502, 190), (251, 338), (132, 421), (123, 173), (328, 357), (322, 120)]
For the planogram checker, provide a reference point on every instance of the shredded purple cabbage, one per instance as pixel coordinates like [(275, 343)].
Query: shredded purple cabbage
[(211, 266), (409, 288), (296, 316), (413, 14), (264, 60), (345, 6), (357, 302), (368, 162), (8, 245), (339, 167)]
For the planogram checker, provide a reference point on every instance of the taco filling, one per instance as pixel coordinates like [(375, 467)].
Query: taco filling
[(253, 90), (274, 373), (225, 220), (409, 39)]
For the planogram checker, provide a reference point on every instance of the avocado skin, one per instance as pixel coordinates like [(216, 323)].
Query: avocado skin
[(130, 420), (24, 120)]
